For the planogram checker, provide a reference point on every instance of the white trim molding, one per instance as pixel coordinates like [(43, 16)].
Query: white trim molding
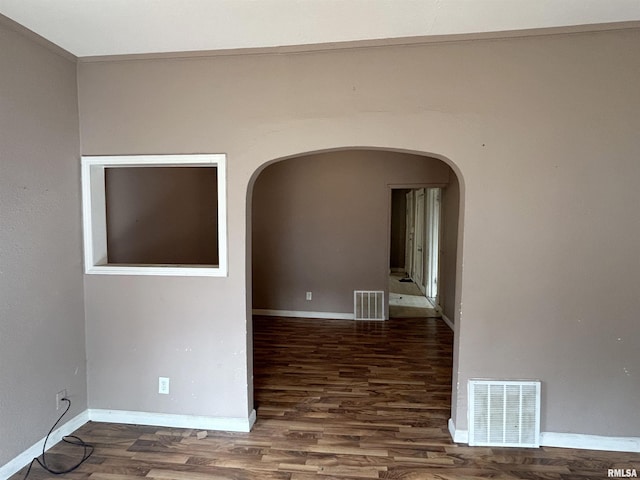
[(35, 450), (448, 321), (568, 440), (94, 222), (226, 424), (590, 442), (458, 436), (303, 314)]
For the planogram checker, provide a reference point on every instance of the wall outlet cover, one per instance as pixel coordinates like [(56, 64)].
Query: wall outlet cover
[(59, 396), (163, 385)]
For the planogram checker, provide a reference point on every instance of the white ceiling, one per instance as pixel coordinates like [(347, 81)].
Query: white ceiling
[(116, 27)]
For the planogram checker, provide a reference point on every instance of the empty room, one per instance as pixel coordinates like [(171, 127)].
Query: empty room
[(205, 206)]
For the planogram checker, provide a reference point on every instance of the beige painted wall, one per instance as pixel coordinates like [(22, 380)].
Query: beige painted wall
[(42, 347), (544, 132), (321, 224), (449, 247), (162, 215)]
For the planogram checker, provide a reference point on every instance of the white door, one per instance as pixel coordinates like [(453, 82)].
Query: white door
[(433, 242), (419, 240)]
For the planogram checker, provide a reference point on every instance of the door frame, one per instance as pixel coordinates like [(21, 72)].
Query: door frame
[(434, 224), (418, 267), (413, 187), (408, 232)]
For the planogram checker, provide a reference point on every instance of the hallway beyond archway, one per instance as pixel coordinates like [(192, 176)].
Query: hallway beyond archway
[(320, 229)]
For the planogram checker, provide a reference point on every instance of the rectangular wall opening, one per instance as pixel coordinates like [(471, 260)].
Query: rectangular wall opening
[(155, 215), (162, 215)]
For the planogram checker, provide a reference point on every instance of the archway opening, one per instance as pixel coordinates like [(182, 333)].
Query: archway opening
[(321, 230)]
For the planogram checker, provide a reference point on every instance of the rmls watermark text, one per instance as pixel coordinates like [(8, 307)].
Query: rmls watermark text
[(622, 473)]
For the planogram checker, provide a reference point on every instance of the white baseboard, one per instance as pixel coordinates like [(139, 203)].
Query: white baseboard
[(568, 440), (36, 450), (226, 424), (590, 442), (448, 321), (303, 314), (458, 436)]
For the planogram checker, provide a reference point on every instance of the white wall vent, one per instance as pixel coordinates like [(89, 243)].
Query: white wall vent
[(368, 305), (504, 413)]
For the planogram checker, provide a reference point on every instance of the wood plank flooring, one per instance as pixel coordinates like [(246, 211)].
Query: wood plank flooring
[(335, 400)]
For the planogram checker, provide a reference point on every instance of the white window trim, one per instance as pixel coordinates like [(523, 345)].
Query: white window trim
[(95, 222)]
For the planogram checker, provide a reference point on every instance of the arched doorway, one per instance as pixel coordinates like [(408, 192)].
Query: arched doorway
[(320, 229)]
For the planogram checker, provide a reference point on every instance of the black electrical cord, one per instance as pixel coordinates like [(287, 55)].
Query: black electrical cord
[(70, 439)]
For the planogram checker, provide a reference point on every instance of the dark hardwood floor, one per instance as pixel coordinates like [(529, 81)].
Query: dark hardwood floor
[(335, 399)]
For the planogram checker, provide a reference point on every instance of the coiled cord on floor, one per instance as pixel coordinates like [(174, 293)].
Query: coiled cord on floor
[(70, 439)]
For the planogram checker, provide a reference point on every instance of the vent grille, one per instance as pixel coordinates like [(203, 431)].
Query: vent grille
[(504, 413), (368, 305)]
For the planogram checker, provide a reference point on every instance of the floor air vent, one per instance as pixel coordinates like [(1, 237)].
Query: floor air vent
[(368, 305), (504, 413)]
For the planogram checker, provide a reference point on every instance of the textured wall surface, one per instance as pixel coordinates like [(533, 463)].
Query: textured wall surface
[(42, 341), (544, 133)]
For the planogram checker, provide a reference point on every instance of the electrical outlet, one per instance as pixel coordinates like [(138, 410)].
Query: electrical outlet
[(163, 385), (59, 396), (309, 295)]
